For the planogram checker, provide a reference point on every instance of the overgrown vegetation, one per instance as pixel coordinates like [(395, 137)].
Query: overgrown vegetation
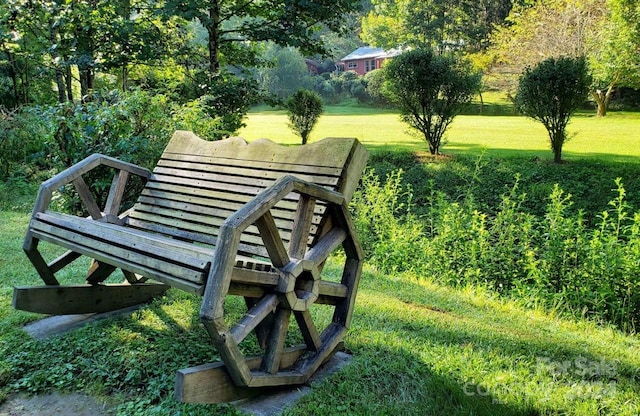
[(541, 252)]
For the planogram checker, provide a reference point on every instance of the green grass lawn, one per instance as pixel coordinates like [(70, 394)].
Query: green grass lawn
[(615, 137)]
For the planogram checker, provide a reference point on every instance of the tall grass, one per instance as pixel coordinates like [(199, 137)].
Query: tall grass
[(554, 259)]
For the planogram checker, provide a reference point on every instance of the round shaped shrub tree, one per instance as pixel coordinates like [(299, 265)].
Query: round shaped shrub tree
[(304, 108), (430, 91), (550, 93)]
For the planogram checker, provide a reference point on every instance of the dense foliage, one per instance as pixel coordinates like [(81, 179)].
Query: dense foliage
[(304, 109), (557, 259), (430, 91), (550, 93)]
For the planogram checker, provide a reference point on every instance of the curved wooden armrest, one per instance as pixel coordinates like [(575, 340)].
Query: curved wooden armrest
[(74, 174)]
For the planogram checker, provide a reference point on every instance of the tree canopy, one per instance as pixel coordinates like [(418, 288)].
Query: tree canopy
[(607, 32), (440, 24)]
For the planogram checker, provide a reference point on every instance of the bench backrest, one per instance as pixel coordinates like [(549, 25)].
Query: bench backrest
[(197, 184)]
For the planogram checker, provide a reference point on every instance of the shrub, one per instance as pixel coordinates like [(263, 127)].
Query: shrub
[(430, 90), (304, 108), (550, 93), (554, 259)]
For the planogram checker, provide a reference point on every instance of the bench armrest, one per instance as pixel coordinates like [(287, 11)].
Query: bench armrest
[(74, 174)]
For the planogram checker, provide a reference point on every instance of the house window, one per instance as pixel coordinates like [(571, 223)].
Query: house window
[(352, 65), (369, 65)]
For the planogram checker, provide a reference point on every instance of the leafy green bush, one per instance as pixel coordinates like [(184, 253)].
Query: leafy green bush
[(551, 92), (303, 109), (430, 91)]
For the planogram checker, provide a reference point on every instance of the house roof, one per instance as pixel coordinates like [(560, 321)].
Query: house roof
[(368, 52)]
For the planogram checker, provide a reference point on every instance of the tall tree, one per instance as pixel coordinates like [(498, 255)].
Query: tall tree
[(232, 25), (615, 57), (607, 32), (440, 24)]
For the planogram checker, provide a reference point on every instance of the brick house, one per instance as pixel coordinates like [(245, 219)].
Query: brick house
[(365, 59)]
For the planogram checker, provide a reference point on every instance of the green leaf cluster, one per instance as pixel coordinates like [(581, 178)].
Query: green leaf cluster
[(304, 109)]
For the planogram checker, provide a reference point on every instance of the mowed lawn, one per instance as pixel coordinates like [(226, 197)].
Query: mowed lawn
[(616, 136)]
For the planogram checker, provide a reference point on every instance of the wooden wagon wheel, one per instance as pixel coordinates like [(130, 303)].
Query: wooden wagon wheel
[(297, 287)]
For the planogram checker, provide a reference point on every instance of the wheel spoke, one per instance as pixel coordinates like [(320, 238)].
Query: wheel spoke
[(253, 317), (302, 226), (275, 345), (308, 330), (272, 240), (326, 245)]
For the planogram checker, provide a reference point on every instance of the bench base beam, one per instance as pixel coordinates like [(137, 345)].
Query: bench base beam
[(67, 300), (211, 383)]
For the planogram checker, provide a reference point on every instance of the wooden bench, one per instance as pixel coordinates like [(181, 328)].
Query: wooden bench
[(219, 218)]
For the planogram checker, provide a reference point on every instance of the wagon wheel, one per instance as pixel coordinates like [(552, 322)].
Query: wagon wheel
[(299, 287)]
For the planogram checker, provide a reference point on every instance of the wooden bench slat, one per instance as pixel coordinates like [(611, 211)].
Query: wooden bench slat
[(205, 216), (255, 164), (251, 236), (152, 273), (150, 256), (214, 208), (244, 175)]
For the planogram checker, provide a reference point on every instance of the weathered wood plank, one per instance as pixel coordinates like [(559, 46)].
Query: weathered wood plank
[(105, 236), (330, 153), (64, 300), (116, 192), (302, 228), (234, 170), (63, 261), (98, 272), (275, 343), (308, 329), (272, 240), (210, 383), (87, 199), (159, 274)]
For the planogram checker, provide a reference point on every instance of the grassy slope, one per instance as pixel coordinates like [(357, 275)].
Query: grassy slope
[(419, 348)]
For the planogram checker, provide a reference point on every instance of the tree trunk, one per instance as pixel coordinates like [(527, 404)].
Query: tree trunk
[(213, 29), (69, 80), (602, 99), (62, 95)]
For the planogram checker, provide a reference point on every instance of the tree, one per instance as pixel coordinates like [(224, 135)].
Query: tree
[(233, 26), (285, 73), (440, 24), (615, 60), (430, 90), (304, 108), (607, 32), (550, 93)]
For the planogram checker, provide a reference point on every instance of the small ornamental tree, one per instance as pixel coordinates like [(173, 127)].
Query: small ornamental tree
[(550, 93), (430, 90), (304, 108)]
